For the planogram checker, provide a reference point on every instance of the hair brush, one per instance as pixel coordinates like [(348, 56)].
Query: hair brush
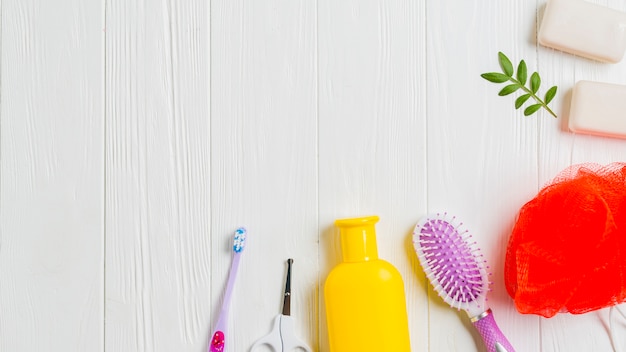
[(458, 273)]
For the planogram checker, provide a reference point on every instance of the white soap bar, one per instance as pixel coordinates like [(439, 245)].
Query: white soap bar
[(582, 28), (598, 108)]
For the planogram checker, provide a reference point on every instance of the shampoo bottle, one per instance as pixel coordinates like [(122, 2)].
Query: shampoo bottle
[(364, 295)]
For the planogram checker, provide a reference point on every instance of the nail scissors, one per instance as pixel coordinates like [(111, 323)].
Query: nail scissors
[(282, 338)]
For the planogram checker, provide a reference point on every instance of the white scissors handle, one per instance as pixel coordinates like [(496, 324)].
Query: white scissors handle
[(282, 338), (290, 341), (272, 339)]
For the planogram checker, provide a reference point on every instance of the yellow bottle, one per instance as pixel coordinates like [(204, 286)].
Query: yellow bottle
[(364, 295)]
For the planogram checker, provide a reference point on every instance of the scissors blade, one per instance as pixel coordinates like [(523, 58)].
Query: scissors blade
[(287, 295)]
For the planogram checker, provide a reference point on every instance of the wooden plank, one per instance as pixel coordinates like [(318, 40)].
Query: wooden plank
[(158, 176), (558, 149), (264, 166), (482, 153), (372, 144), (51, 176)]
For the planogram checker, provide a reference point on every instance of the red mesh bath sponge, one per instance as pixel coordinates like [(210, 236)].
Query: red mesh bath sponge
[(567, 251)]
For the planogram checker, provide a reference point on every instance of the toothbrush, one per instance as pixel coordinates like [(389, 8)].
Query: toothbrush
[(218, 338), (458, 273)]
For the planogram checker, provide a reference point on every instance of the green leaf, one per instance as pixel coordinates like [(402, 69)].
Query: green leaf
[(532, 109), (550, 95), (522, 72), (521, 100), (509, 89), (519, 79), (505, 64), (495, 77), (535, 82)]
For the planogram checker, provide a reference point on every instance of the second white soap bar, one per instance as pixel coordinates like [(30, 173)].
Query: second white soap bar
[(598, 108), (582, 28)]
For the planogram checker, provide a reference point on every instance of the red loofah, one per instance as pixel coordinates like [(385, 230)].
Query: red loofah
[(567, 252)]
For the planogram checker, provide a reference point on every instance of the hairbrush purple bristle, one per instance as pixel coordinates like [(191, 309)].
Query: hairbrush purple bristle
[(455, 269), (458, 273)]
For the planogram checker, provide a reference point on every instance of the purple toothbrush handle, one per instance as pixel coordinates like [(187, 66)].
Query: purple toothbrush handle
[(492, 336)]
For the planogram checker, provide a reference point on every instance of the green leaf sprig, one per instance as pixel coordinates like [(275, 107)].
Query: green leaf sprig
[(518, 81)]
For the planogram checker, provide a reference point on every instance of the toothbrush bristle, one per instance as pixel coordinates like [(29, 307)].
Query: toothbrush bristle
[(451, 263), (240, 240)]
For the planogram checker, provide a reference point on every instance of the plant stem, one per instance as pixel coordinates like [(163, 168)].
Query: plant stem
[(544, 105)]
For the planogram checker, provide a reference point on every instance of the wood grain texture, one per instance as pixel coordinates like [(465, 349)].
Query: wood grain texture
[(558, 149), (158, 178), (372, 126), (264, 160), (482, 154), (51, 176), (136, 136)]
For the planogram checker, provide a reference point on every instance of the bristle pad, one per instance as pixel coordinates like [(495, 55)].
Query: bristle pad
[(452, 262)]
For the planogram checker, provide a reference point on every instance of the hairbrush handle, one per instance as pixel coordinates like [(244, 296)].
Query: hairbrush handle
[(490, 332)]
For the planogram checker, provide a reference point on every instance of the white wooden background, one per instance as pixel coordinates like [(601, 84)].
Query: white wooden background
[(135, 136)]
